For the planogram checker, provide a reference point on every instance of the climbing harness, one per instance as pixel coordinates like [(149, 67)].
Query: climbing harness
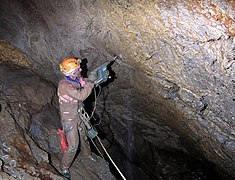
[(92, 133)]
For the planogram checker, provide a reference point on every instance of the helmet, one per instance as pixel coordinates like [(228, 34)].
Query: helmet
[(67, 66)]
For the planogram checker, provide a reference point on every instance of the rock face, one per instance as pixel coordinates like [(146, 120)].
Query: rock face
[(21, 156), (174, 88)]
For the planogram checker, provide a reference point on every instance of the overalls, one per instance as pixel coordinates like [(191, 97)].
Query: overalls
[(70, 95)]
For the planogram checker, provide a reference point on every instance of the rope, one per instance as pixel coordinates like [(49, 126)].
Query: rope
[(84, 115), (92, 114), (97, 148), (111, 158), (86, 119)]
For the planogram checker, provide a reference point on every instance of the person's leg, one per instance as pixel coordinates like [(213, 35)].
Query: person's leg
[(85, 145), (71, 132)]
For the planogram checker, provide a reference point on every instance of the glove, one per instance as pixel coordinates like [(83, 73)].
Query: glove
[(92, 133)]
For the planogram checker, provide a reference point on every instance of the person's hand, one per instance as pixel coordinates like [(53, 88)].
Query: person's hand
[(82, 81), (90, 84)]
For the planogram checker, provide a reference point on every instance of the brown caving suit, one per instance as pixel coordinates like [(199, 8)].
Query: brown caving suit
[(70, 95)]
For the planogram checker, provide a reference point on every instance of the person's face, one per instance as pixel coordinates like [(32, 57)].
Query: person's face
[(77, 72)]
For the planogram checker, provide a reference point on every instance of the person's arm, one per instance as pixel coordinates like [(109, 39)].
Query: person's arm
[(80, 94)]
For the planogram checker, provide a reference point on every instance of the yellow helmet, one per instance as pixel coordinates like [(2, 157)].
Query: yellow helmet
[(68, 65)]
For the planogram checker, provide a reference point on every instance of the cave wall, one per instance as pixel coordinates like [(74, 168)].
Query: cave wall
[(24, 98), (175, 75)]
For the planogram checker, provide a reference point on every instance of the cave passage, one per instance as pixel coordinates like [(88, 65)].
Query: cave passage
[(168, 110)]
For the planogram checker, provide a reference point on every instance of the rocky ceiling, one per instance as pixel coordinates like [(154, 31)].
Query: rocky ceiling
[(168, 111)]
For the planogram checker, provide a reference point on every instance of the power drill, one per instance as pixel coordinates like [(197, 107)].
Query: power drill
[(100, 74)]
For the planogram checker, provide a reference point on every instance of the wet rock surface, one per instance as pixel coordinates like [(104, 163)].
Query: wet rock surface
[(174, 86), (30, 146)]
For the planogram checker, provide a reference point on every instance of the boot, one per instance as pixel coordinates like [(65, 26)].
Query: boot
[(66, 174)]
